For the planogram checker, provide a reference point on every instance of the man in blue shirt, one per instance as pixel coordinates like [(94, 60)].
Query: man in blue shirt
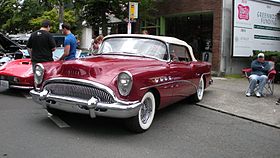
[(260, 70), (70, 43)]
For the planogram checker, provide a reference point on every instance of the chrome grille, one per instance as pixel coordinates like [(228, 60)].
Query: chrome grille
[(79, 91)]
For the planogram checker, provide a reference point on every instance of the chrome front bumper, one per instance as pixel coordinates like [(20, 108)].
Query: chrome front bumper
[(21, 87), (90, 107)]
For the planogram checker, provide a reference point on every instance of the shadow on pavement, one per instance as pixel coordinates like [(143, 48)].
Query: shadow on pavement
[(14, 92), (102, 126)]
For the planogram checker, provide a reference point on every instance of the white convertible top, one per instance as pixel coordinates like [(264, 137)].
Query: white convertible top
[(166, 39)]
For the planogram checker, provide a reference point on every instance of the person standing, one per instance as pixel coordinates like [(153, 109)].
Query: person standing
[(70, 43), (41, 44), (259, 74), (96, 44)]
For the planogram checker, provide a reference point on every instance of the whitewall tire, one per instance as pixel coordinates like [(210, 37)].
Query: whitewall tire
[(145, 117), (198, 96)]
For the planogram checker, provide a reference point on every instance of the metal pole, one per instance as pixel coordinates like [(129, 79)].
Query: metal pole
[(129, 23)]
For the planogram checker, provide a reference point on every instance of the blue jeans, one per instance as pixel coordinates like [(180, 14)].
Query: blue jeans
[(254, 79)]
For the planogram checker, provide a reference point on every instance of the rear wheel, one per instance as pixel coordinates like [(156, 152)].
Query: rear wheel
[(198, 96), (144, 119)]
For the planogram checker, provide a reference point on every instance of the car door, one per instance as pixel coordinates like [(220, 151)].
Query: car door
[(181, 71)]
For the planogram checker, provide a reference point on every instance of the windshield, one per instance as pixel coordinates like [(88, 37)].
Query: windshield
[(135, 46)]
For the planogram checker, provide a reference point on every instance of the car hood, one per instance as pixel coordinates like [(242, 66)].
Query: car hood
[(20, 68), (8, 45), (105, 68)]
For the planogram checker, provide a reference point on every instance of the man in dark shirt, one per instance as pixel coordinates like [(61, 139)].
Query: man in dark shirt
[(41, 44), (260, 70), (70, 43)]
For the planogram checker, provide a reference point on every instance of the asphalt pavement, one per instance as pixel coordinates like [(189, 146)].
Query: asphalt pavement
[(228, 95), (183, 130)]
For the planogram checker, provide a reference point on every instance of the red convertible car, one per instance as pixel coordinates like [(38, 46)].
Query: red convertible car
[(18, 73), (130, 77)]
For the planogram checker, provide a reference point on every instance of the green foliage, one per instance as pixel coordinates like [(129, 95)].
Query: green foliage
[(7, 10), (269, 55), (94, 11), (26, 15), (52, 15), (147, 9)]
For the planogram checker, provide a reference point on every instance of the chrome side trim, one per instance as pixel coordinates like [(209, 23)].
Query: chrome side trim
[(165, 83), (172, 82), (89, 83)]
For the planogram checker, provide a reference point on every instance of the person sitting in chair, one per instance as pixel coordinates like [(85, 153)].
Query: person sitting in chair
[(259, 73)]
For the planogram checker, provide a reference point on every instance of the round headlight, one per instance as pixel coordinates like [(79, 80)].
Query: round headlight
[(39, 74), (124, 83)]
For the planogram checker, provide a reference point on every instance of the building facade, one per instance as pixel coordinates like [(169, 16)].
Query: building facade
[(207, 25)]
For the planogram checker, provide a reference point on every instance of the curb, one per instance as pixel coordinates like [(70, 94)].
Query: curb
[(235, 115)]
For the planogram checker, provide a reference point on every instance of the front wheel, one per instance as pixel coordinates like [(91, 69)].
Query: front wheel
[(198, 96), (144, 119)]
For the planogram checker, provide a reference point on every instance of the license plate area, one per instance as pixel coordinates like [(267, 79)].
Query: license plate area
[(4, 84)]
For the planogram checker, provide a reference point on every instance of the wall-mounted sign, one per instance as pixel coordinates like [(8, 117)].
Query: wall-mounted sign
[(256, 26)]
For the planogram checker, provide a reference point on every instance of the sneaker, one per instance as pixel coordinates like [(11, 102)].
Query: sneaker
[(248, 94), (258, 94)]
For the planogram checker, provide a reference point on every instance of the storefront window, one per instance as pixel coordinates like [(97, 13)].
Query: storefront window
[(194, 28)]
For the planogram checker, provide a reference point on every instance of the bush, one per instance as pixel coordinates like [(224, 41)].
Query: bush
[(269, 55)]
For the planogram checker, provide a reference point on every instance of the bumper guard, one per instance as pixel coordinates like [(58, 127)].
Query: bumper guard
[(91, 107)]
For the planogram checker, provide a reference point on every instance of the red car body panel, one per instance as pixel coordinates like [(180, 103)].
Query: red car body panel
[(104, 69), (130, 77), (19, 73), (21, 69)]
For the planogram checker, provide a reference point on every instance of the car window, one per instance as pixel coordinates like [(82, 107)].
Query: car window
[(135, 46), (58, 53), (179, 53)]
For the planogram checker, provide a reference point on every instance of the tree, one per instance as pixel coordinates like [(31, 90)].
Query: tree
[(15, 15), (147, 12), (95, 11), (24, 15), (69, 17), (30, 9), (7, 9)]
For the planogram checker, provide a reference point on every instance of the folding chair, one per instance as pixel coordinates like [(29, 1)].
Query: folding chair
[(269, 86)]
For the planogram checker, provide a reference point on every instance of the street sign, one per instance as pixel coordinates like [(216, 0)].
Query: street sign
[(132, 15), (133, 10)]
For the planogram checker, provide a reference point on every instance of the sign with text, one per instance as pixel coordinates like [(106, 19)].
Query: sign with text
[(133, 10), (256, 26)]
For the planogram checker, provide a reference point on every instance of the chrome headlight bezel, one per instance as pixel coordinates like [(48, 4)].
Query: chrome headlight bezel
[(39, 74), (125, 82)]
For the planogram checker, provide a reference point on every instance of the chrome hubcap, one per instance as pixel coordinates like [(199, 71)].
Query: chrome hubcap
[(146, 110)]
